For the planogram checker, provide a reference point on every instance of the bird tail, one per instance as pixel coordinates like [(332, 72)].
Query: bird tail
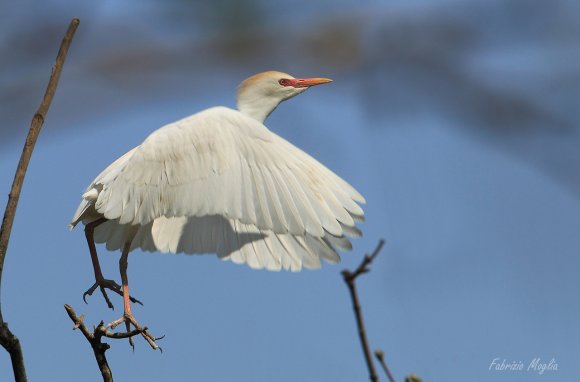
[(87, 202)]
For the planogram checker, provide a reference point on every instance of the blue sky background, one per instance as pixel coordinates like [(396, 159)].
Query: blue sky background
[(457, 120)]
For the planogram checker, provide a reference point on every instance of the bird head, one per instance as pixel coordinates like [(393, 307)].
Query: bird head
[(259, 95)]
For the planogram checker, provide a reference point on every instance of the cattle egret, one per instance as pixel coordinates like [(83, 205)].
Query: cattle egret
[(220, 182)]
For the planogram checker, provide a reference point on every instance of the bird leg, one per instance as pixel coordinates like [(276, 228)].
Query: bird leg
[(101, 282), (128, 317)]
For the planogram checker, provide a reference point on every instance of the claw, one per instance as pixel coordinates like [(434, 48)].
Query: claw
[(134, 300), (107, 284), (89, 292), (102, 287), (109, 303), (129, 320)]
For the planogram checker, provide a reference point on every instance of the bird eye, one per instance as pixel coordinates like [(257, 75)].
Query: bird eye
[(284, 82)]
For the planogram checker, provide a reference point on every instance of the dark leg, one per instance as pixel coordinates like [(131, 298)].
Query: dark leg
[(128, 317), (100, 281)]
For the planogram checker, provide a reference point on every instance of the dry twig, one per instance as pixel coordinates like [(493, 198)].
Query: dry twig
[(94, 338), (7, 339), (349, 278), (381, 357)]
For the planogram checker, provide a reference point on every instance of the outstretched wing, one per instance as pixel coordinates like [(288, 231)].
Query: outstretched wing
[(228, 238), (220, 162)]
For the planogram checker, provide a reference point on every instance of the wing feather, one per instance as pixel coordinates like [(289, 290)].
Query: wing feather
[(294, 221), (221, 182), (221, 162), (230, 239)]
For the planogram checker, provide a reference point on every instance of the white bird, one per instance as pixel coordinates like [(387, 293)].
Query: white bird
[(220, 182)]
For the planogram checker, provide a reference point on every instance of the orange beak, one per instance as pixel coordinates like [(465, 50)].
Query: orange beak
[(307, 82)]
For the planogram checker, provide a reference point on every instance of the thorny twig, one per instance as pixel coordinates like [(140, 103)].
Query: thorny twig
[(349, 278), (7, 339)]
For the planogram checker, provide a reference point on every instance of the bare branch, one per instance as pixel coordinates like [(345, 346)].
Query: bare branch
[(12, 345), (109, 334), (99, 348), (349, 278), (7, 339), (381, 357), (363, 267), (94, 338)]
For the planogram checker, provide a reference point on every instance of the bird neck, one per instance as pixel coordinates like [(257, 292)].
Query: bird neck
[(258, 108)]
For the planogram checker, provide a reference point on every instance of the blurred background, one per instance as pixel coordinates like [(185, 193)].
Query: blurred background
[(458, 121)]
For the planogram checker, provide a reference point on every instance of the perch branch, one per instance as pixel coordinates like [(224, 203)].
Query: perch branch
[(349, 278), (7, 339), (94, 338)]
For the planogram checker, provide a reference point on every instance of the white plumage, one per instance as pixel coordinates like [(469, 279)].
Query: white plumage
[(220, 182)]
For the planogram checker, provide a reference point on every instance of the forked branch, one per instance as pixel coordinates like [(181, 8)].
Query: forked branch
[(94, 338), (7, 339), (350, 278)]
